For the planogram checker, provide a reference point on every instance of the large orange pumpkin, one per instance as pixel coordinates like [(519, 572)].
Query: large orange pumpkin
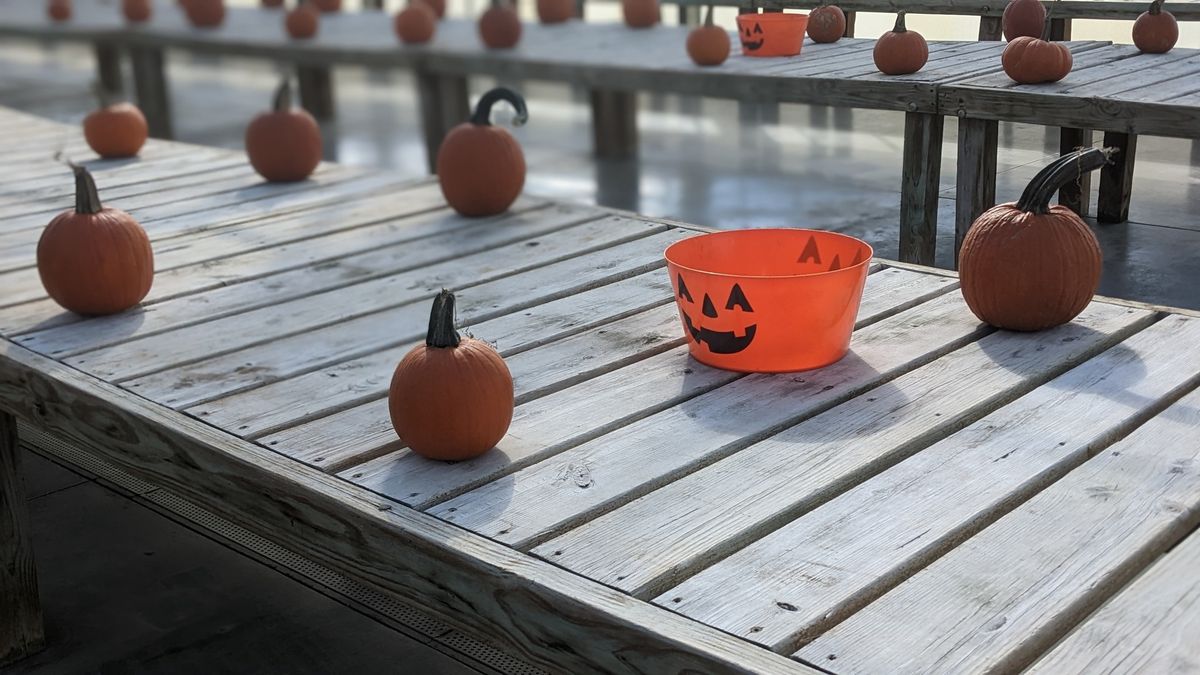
[(1155, 31), (59, 10), (416, 23), (1034, 61), (137, 11), (115, 129), (1023, 18), (555, 11), (94, 260), (284, 145), (481, 167), (826, 24), (641, 13), (303, 21), (708, 45), (900, 51), (1028, 265), (499, 27), (452, 397), (205, 13)]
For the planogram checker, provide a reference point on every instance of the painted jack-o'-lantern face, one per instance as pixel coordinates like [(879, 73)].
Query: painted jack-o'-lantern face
[(724, 331), (752, 37)]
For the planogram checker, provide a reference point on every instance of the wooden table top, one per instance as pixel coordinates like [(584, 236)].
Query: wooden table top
[(945, 498)]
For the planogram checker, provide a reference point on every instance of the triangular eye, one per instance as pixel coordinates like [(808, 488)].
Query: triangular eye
[(683, 290), (709, 310), (738, 299), (757, 29)]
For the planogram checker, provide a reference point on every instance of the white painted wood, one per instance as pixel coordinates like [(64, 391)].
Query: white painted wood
[(654, 542), (793, 584), (601, 475), (1062, 553)]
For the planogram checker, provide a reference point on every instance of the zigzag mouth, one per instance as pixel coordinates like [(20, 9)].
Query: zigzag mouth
[(721, 342), (752, 46)]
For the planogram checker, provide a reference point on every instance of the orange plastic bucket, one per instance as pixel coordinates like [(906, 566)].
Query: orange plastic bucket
[(772, 33), (770, 300)]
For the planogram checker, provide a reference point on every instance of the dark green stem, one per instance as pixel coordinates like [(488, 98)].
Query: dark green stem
[(441, 333), (483, 110), (1156, 7), (900, 27), (1048, 181), (708, 22), (87, 198), (283, 95)]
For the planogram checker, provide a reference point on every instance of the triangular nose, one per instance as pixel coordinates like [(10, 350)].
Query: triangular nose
[(709, 310)]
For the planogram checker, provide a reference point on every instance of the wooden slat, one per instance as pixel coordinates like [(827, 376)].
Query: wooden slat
[(660, 539), (1062, 553), (21, 632), (862, 543)]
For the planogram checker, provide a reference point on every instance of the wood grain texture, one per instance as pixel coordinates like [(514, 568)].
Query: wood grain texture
[(920, 175), (21, 632), (976, 180)]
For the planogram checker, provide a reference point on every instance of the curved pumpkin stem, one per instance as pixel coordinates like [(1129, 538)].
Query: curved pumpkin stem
[(1156, 7), (283, 95), (708, 21), (441, 333), (483, 110), (900, 27), (87, 197), (1036, 198)]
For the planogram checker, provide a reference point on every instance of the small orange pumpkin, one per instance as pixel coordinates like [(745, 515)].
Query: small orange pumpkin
[(900, 51), (708, 45), (641, 13), (94, 260), (826, 23), (115, 129), (1035, 61), (1028, 265), (284, 145), (499, 27), (481, 168), (1023, 18), (59, 10), (302, 22), (451, 398), (1155, 31), (416, 23), (329, 5), (555, 11), (137, 11), (205, 13)]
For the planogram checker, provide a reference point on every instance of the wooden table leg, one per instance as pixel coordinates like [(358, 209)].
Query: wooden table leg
[(850, 16), (150, 81), (1116, 179), (108, 67), (373, 4), (445, 102), (1077, 195), (579, 9), (976, 181), (614, 124), (316, 91), (20, 609), (1060, 29), (689, 15), (919, 187), (991, 28)]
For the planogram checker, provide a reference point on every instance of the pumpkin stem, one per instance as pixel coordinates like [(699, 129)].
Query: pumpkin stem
[(87, 197), (1060, 172), (900, 27), (708, 21), (283, 95), (441, 333), (483, 109), (1156, 7)]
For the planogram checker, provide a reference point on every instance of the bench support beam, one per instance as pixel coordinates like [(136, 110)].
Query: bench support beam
[(108, 67), (316, 91), (1060, 29), (689, 15), (850, 17), (373, 4), (150, 81), (919, 187), (976, 183), (1076, 195), (21, 631), (445, 103), (614, 124), (991, 28), (1116, 179)]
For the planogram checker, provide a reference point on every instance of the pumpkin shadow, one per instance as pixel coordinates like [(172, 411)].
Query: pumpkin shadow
[(115, 327)]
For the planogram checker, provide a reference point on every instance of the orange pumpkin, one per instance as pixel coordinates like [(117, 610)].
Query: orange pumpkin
[(555, 11), (115, 129), (451, 398), (94, 260), (1028, 265), (641, 13), (302, 22), (708, 45), (481, 168), (1023, 18), (826, 24), (900, 51), (499, 27), (416, 23), (284, 145), (205, 13), (137, 11), (329, 5), (1155, 31), (1034, 61), (59, 10)]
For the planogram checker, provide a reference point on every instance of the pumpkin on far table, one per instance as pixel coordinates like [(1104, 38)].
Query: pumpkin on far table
[(555, 11), (641, 13), (284, 144), (499, 26), (481, 167), (826, 23), (900, 51), (94, 260), (115, 129), (708, 45), (451, 398), (205, 13), (329, 5), (59, 10), (416, 23), (1023, 18), (302, 21), (1028, 265), (1155, 31), (137, 11), (1035, 61)]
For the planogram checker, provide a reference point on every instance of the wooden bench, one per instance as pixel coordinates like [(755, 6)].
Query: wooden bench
[(946, 494)]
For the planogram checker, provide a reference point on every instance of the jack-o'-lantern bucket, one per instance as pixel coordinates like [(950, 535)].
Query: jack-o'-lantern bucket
[(769, 300), (771, 33)]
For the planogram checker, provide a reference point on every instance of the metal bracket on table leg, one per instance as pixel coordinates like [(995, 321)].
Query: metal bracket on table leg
[(316, 91), (1116, 179), (919, 187), (614, 124), (976, 182), (21, 632), (445, 102), (150, 81)]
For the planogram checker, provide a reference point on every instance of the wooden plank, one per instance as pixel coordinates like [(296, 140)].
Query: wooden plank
[(1116, 179), (919, 183), (21, 632), (872, 537), (1177, 121), (1150, 627), (1063, 553), (976, 180), (657, 541), (601, 475)]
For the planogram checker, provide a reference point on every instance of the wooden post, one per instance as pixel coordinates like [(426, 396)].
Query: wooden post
[(614, 124), (919, 187), (108, 67), (150, 81), (991, 28), (444, 102), (1116, 179), (1076, 195), (850, 16), (20, 609), (689, 15), (1060, 29), (316, 91), (372, 4), (976, 181), (579, 9)]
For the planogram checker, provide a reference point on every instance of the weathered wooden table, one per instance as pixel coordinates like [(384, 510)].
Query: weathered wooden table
[(945, 498)]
